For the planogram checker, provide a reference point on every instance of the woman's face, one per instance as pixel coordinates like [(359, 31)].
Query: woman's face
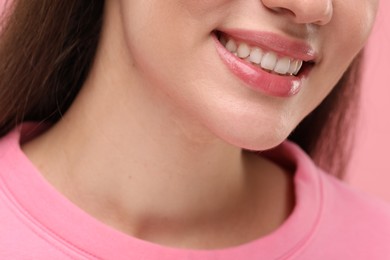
[(187, 49)]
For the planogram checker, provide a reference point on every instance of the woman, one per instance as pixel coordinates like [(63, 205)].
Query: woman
[(158, 130)]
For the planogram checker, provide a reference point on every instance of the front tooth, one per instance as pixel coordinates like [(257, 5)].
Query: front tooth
[(231, 46), (269, 61), (282, 65), (256, 55), (243, 50), (300, 63)]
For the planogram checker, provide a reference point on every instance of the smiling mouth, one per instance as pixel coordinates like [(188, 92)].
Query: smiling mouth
[(267, 60)]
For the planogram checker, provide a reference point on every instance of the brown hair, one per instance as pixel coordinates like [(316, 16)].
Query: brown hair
[(48, 46)]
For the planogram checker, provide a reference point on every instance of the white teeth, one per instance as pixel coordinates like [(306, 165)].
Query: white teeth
[(300, 63), (243, 50), (293, 67), (266, 60), (256, 55), (269, 61), (231, 46), (282, 65)]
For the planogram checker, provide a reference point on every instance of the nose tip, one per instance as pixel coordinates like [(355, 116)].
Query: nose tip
[(318, 12)]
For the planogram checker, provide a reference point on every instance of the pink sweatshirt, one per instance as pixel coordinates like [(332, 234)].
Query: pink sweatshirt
[(330, 220)]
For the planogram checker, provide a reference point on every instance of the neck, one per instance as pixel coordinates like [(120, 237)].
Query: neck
[(149, 175)]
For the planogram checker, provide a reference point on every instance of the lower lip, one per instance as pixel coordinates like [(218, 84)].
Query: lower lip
[(258, 79)]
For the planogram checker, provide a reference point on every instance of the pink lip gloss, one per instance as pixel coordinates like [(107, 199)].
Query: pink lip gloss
[(259, 79)]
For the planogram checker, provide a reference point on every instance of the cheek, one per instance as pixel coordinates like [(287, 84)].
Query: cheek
[(149, 35), (201, 7), (343, 38), (166, 47), (349, 30)]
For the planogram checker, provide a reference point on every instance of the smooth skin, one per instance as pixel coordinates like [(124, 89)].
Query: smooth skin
[(152, 145)]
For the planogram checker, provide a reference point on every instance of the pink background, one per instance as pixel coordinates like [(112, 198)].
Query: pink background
[(370, 168)]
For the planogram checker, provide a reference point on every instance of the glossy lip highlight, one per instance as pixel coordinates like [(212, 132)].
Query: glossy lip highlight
[(257, 78)]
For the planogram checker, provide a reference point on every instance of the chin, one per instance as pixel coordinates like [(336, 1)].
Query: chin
[(261, 144), (260, 140)]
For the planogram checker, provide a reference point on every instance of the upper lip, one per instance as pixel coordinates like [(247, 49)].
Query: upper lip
[(269, 41)]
